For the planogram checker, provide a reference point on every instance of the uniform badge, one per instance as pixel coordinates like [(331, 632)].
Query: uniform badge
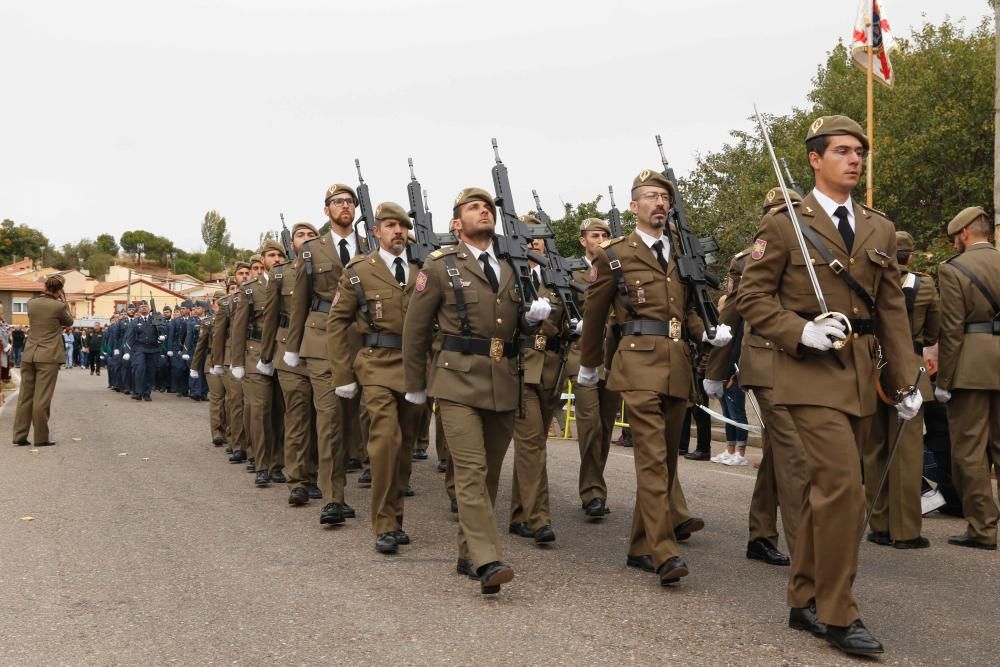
[(421, 282), (466, 283), (378, 310), (758, 249), (592, 276), (675, 328), (770, 195), (640, 295), (818, 123)]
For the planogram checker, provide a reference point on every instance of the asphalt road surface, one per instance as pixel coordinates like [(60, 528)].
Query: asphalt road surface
[(144, 546)]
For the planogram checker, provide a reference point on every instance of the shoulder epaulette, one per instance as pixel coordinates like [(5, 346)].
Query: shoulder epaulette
[(742, 253), (611, 242), (953, 257), (441, 252), (875, 210), (357, 259)]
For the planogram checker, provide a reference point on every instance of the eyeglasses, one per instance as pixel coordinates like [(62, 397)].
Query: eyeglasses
[(844, 151), (341, 201), (655, 196)]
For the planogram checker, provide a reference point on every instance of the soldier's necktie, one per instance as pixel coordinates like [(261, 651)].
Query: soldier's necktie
[(658, 247), (400, 275), (488, 271), (844, 227), (345, 256), (535, 281)]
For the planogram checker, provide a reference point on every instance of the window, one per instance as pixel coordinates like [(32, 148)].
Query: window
[(19, 304)]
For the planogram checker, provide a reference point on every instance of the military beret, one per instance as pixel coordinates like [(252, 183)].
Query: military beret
[(656, 180), (530, 218), (965, 218), (473, 194), (241, 265), (218, 294), (340, 189), (130, 306), (594, 224), (61, 279), (204, 304), (185, 304), (774, 198), (256, 259), (168, 309), (269, 245), (388, 210), (304, 225), (144, 303), (904, 241), (825, 126)]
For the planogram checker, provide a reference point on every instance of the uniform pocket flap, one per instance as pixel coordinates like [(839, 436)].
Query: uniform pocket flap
[(638, 343), (454, 361)]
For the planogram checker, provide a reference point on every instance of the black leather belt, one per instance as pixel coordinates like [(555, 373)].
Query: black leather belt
[(497, 348), (671, 329), (320, 306), (283, 321), (862, 327), (984, 327), (541, 343), (255, 333), (381, 339)]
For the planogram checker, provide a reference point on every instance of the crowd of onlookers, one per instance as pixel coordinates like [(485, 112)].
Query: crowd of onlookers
[(83, 347)]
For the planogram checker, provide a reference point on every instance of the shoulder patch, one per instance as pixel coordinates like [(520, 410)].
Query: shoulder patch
[(357, 259), (441, 252), (421, 282), (875, 210), (757, 252), (611, 242)]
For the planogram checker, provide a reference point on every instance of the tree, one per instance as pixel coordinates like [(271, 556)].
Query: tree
[(98, 265), (155, 247), (213, 232), (19, 241), (131, 239), (185, 265), (105, 243), (212, 262)]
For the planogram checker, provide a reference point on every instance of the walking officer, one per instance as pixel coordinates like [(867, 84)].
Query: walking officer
[(144, 345), (236, 417)]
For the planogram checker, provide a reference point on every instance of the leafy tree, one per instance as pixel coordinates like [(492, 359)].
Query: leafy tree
[(213, 232), (185, 265), (105, 243), (98, 265), (19, 241), (131, 239), (212, 262)]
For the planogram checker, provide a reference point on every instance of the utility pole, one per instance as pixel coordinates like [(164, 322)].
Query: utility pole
[(996, 128)]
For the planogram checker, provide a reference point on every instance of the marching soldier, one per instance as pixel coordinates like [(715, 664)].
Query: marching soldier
[(374, 293), (967, 379), (897, 514), (829, 391), (176, 332), (201, 365), (237, 419), (476, 303), (143, 344), (197, 386), (652, 368)]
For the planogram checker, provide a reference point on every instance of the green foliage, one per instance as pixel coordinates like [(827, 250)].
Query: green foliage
[(156, 247), (106, 244), (184, 265), (214, 234), (212, 262), (98, 264), (20, 241)]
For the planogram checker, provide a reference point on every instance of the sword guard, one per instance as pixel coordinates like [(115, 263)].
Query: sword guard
[(838, 344)]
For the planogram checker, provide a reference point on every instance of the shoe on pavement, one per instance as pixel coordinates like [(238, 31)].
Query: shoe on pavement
[(698, 455), (465, 567), (545, 535), (931, 500), (419, 455), (278, 477), (348, 511), (964, 540), (298, 497), (644, 562), (365, 479), (263, 478), (918, 542), (854, 639), (672, 570), (762, 549), (596, 509), (492, 575), (804, 618), (400, 536), (721, 458), (331, 514), (683, 530), (737, 460), (385, 543), (314, 491)]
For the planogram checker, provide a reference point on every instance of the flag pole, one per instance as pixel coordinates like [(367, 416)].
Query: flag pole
[(870, 191)]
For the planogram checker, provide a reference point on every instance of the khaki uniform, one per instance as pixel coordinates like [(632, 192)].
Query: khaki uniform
[(301, 455), (830, 396), (378, 369), (202, 362), (236, 418), (653, 374), (898, 511), (477, 394), (967, 367), (43, 352)]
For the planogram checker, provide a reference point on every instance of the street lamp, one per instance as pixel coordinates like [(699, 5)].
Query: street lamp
[(139, 249)]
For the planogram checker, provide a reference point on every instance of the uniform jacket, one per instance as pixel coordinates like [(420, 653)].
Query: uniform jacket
[(142, 335), (191, 336), (222, 328), (387, 304), (648, 363), (276, 319), (473, 380), (775, 287), (202, 360), (542, 367), (587, 277), (246, 329), (47, 316), (967, 360)]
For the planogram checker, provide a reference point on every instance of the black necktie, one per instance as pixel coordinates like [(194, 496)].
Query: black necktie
[(658, 247), (345, 256), (844, 227), (400, 275), (490, 274), (535, 281)]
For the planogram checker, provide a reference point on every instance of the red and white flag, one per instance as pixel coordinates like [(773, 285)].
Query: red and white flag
[(872, 26)]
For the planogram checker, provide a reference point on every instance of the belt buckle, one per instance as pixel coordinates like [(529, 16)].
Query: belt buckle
[(540, 342), (675, 328), (496, 349), (837, 267)]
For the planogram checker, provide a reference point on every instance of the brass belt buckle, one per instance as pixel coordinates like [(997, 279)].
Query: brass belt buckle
[(540, 342), (496, 349), (675, 328)]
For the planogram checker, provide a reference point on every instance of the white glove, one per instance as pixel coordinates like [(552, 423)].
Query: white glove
[(587, 376), (103, 357), (714, 387), (415, 397), (942, 395), (723, 334), (194, 374), (538, 312), (126, 356), (238, 372), (817, 334), (185, 357), (161, 338), (265, 369), (578, 328), (909, 406), (117, 352), (351, 390), (170, 353), (217, 371), (291, 359)]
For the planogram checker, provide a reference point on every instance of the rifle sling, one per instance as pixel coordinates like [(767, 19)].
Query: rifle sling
[(616, 269), (456, 285), (979, 285), (355, 281)]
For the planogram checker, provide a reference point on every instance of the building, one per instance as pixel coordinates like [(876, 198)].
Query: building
[(111, 296), (15, 292)]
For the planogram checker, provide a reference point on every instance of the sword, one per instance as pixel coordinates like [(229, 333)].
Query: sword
[(825, 312), (753, 402), (726, 420)]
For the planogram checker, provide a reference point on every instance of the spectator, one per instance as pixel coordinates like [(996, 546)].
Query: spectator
[(84, 349), (68, 344), (95, 341), (18, 337), (77, 347), (5, 352)]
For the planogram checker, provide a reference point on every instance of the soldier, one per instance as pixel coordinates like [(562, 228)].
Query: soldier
[(967, 379), (176, 332), (828, 391), (476, 302), (162, 360), (201, 365), (112, 343), (316, 283), (374, 293), (237, 418), (143, 343), (197, 386), (125, 365), (897, 514), (651, 366), (544, 362), (301, 455), (256, 266)]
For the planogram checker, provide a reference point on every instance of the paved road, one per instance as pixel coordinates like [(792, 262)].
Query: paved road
[(146, 547)]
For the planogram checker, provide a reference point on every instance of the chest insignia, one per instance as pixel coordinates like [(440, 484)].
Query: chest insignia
[(758, 249)]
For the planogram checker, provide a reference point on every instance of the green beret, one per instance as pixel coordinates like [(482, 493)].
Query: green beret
[(656, 180), (340, 189), (472, 194), (904, 241), (594, 224), (774, 198), (825, 126), (304, 225), (965, 218), (256, 259), (388, 210)]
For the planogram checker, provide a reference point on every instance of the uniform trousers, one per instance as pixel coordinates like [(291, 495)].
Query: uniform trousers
[(143, 370), (394, 428), (216, 405), (974, 423), (237, 417), (825, 559), (478, 441), (258, 402), (898, 510), (355, 424), (330, 437), (595, 408), (424, 431), (300, 436), (34, 401), (441, 445), (529, 496)]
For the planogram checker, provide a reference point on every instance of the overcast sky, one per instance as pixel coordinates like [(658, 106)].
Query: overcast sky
[(129, 115)]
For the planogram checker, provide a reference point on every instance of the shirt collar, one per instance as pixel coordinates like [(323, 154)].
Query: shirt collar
[(337, 238), (389, 258), (476, 252), (650, 240), (829, 206)]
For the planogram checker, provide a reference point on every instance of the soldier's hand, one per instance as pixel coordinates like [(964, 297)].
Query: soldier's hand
[(349, 390), (723, 334), (185, 357), (820, 335), (538, 312), (587, 376), (194, 374), (238, 372), (291, 359), (578, 328), (161, 338), (416, 397), (265, 369), (126, 356), (714, 387), (117, 352), (170, 353), (217, 371), (910, 406), (942, 395)]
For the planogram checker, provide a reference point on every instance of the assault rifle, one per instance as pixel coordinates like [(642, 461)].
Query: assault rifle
[(559, 275), (791, 179), (690, 256), (426, 241), (286, 240), (367, 214), (614, 216)]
